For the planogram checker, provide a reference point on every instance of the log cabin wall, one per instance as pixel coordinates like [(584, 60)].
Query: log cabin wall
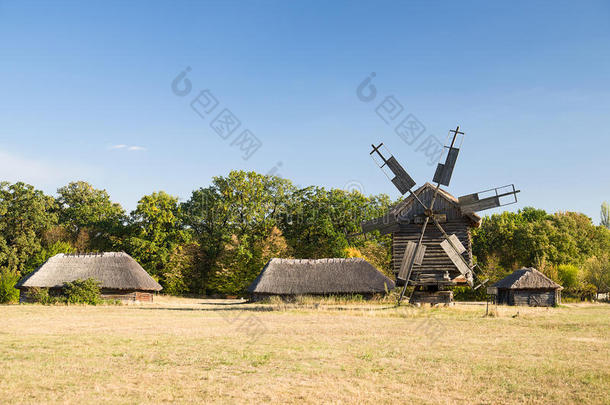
[(436, 262), (435, 259), (534, 298), (25, 295), (142, 296), (529, 297), (441, 205)]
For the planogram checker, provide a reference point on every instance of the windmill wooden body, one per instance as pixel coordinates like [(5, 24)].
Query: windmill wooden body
[(433, 258)]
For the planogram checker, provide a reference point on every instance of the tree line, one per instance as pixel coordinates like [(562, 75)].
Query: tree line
[(218, 240), (565, 246)]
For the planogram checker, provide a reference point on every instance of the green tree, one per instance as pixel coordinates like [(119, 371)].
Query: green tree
[(254, 201), (155, 231), (597, 272), (242, 260), (25, 215), (236, 213), (207, 218), (8, 292), (529, 237), (182, 269), (573, 237), (495, 238), (314, 223), (46, 253), (568, 276), (92, 220), (318, 221), (557, 244)]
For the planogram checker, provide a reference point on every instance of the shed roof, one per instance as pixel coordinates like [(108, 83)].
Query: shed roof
[(114, 270), (526, 278), (322, 276)]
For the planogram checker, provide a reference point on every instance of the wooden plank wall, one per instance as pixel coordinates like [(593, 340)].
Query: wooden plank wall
[(438, 297), (25, 297), (144, 296), (525, 297), (127, 295), (435, 261)]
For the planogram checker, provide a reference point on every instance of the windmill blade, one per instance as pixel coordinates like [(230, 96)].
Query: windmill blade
[(397, 174), (445, 170), (478, 280), (411, 263), (402, 180), (408, 256), (458, 260), (481, 284), (487, 199), (457, 245), (454, 249)]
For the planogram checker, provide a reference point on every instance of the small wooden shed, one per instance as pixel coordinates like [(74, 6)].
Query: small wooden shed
[(527, 286), (286, 277), (119, 275)]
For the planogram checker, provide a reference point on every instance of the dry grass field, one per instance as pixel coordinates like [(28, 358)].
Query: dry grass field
[(226, 352)]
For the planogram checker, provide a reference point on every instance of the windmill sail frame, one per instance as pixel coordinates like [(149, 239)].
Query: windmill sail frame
[(488, 199), (401, 179)]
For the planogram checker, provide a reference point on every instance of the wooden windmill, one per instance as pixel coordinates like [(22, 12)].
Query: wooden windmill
[(431, 259)]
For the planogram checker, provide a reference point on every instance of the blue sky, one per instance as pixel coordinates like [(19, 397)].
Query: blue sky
[(86, 93)]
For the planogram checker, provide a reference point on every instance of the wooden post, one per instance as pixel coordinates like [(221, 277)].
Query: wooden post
[(487, 306)]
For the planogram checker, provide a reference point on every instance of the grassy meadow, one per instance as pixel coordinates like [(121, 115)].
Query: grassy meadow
[(190, 350)]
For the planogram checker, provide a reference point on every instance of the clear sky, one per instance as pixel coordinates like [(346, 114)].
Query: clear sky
[(86, 93)]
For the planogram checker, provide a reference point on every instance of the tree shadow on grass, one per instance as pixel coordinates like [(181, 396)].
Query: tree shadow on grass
[(215, 307), (226, 308)]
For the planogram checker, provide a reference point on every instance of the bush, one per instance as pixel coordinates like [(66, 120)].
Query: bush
[(83, 292), (8, 292), (42, 296), (568, 276), (468, 294), (77, 292)]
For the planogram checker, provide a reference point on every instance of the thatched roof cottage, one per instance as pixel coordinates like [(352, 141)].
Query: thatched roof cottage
[(119, 275), (527, 286), (320, 277)]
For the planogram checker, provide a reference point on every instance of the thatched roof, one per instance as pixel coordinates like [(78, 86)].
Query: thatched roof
[(114, 270), (324, 276), (526, 278)]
